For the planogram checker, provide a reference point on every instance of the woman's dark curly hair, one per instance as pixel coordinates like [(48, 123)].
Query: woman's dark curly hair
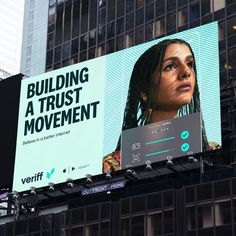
[(143, 81)]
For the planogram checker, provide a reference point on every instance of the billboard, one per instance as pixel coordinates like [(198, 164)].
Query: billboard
[(70, 118)]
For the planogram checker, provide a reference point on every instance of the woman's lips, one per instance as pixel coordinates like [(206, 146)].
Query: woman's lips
[(184, 87)]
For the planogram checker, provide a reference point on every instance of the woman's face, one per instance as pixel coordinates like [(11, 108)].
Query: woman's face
[(177, 78)]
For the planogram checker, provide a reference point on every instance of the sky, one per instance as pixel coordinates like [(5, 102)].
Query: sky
[(11, 27)]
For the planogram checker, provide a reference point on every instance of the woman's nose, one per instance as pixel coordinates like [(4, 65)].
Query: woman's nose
[(184, 71)]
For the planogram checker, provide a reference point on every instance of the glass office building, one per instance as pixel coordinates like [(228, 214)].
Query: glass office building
[(189, 204)]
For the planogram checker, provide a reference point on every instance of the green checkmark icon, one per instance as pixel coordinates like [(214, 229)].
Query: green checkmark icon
[(184, 147), (185, 134)]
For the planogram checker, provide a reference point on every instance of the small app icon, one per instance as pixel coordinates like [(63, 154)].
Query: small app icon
[(184, 134), (136, 146), (185, 147), (136, 157)]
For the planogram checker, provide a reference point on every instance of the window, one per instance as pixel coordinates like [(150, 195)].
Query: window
[(120, 26), (91, 53), (57, 54), (231, 26), (154, 224), (101, 50), (129, 21), (219, 4), (154, 201), (182, 17), (139, 3), (221, 30), (160, 8), (125, 227), (49, 58), (76, 231), (222, 188), (105, 229), (29, 50), (66, 50), (222, 213), (129, 39), (93, 12), (84, 16), (67, 21), (129, 5), (120, 8), (105, 210), (139, 16), (74, 46), (194, 10), (232, 56), (149, 12), (30, 27), (31, 15), (204, 191), (160, 27), (111, 10), (92, 212), (29, 38), (111, 46), (138, 204), (101, 34), (149, 31), (50, 41), (92, 37), (171, 5), (32, 4), (120, 42), (75, 26), (139, 35), (168, 198), (137, 226), (91, 230), (83, 56), (111, 30), (205, 216), (190, 218), (206, 7), (171, 22), (74, 59), (102, 16), (83, 42), (168, 221), (58, 37)]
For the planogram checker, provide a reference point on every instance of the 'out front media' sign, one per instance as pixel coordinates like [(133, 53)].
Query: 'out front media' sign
[(70, 118)]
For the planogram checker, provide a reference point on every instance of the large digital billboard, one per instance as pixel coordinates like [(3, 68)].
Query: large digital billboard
[(73, 117)]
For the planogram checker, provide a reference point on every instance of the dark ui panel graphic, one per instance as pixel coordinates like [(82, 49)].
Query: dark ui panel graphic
[(161, 141)]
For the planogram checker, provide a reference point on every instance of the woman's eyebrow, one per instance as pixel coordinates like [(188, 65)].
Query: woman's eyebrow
[(177, 58)]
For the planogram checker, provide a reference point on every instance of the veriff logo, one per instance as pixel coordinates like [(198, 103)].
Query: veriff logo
[(50, 173), (35, 178)]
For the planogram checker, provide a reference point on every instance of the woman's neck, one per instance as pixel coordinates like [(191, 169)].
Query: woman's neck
[(158, 115)]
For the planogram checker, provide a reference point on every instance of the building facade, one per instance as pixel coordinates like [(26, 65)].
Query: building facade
[(11, 18), (34, 39)]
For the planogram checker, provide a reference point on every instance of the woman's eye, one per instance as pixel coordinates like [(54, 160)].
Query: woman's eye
[(190, 64), (169, 67)]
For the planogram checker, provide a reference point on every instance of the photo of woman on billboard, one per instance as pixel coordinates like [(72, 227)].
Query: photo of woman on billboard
[(163, 86)]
